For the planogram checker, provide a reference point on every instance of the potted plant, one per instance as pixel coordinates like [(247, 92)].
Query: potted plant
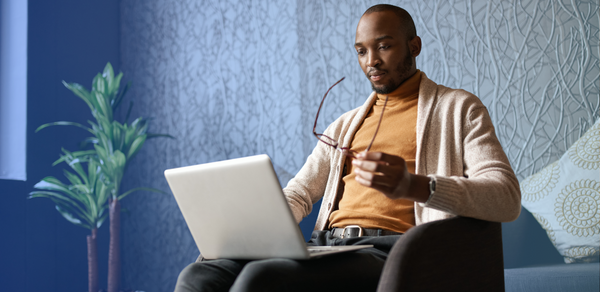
[(114, 144), (82, 202)]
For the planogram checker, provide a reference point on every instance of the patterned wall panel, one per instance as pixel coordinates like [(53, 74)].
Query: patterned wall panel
[(236, 78), (533, 63)]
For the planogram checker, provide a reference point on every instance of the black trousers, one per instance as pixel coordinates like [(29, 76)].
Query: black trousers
[(350, 271)]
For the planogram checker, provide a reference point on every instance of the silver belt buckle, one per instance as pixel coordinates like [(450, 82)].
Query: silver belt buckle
[(360, 230)]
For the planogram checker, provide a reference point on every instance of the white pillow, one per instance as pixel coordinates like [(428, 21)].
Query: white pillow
[(564, 198)]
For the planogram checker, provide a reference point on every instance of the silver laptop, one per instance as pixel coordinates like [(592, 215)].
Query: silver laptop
[(236, 209)]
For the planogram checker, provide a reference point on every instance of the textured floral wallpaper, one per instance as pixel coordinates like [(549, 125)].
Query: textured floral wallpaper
[(236, 78)]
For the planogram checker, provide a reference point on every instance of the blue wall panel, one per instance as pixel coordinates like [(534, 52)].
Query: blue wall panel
[(72, 41)]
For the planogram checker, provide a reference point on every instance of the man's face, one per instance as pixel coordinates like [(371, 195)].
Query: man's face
[(385, 54)]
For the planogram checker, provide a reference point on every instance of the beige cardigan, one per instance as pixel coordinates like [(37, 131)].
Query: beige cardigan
[(456, 144)]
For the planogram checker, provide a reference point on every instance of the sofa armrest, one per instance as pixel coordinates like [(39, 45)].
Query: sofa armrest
[(456, 254)]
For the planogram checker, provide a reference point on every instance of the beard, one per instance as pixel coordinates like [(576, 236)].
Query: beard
[(402, 71)]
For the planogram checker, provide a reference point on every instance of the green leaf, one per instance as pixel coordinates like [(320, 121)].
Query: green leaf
[(102, 154), (115, 88), (81, 156), (99, 84), (61, 159), (105, 143), (150, 136), (73, 209), (141, 189), (112, 165), (73, 160), (116, 168), (93, 209), (119, 96), (142, 127), (71, 218), (136, 145), (81, 188), (136, 122), (88, 141), (108, 75), (105, 127), (131, 133), (81, 92), (119, 159), (103, 105), (57, 199), (73, 179), (51, 195), (118, 135), (101, 220), (103, 157), (52, 184), (62, 123), (102, 193), (92, 173), (95, 128)]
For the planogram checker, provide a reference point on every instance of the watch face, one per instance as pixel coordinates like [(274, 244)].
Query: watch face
[(431, 189)]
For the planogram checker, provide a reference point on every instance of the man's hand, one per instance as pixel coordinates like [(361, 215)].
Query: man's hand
[(389, 175)]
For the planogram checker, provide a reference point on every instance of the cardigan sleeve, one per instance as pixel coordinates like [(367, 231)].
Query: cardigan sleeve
[(487, 188), (308, 186)]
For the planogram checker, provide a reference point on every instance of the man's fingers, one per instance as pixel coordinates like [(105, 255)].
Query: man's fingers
[(380, 157), (377, 166), (377, 182), (366, 177), (369, 155), (389, 179), (383, 172), (367, 165)]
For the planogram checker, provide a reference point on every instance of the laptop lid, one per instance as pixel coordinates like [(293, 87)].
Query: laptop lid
[(236, 209)]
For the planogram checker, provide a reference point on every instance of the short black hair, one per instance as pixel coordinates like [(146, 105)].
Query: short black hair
[(408, 25)]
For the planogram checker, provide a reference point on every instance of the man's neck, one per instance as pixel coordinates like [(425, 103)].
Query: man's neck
[(408, 87)]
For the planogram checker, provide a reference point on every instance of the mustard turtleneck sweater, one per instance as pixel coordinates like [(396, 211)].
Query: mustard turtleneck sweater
[(368, 207)]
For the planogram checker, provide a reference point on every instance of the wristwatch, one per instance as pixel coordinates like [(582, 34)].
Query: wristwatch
[(432, 183)]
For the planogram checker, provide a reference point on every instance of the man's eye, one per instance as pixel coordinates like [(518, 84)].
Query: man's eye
[(383, 47), (360, 53)]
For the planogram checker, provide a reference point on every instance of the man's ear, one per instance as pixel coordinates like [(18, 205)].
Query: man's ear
[(415, 46)]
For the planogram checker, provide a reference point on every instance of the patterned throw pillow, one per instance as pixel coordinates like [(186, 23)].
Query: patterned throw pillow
[(564, 197)]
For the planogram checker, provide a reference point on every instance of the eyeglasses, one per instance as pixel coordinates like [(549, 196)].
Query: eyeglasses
[(331, 142)]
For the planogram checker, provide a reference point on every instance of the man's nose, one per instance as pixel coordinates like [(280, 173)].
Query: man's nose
[(373, 59)]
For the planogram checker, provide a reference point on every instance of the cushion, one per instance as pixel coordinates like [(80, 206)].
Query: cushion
[(564, 198)]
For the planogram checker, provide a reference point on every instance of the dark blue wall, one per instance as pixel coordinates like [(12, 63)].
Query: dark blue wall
[(71, 41)]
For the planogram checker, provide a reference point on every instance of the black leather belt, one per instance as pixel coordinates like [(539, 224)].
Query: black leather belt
[(351, 231)]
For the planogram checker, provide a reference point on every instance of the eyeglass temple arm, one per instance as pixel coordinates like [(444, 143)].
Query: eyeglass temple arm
[(378, 124), (321, 105)]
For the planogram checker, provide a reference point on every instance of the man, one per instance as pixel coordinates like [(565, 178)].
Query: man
[(415, 152)]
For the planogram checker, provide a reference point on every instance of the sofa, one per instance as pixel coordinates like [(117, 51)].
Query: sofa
[(465, 254), (559, 222), (532, 263)]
